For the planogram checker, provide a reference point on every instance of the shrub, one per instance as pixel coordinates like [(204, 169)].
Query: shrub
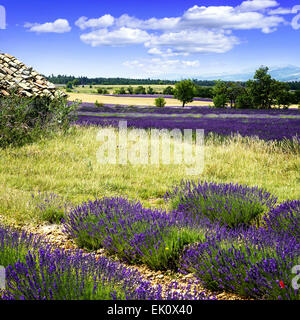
[(250, 265), (23, 120), (135, 234), (36, 271), (160, 102), (227, 204), (284, 220), (69, 90), (99, 104), (59, 275), (14, 245)]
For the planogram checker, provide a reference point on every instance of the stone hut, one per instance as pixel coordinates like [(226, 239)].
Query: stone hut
[(16, 76)]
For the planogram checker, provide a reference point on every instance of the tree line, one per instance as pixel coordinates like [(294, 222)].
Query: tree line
[(262, 92), (65, 79)]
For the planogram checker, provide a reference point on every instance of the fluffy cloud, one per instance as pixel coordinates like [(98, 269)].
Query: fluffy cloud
[(159, 66), (200, 29), (102, 22), (151, 24), (58, 26), (226, 17), (255, 5), (193, 41), (118, 37)]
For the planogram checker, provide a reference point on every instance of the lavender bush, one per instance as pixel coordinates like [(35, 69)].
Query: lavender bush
[(14, 245), (228, 204), (41, 272), (134, 233), (284, 219), (251, 263)]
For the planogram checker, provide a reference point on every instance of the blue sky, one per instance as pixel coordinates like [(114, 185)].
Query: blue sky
[(151, 39)]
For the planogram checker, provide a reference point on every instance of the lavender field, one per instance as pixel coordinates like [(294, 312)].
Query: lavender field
[(265, 124)]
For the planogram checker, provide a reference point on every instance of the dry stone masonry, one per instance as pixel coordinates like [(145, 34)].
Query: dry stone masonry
[(16, 76)]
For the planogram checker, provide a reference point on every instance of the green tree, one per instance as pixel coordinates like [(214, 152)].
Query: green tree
[(267, 92), (220, 94), (75, 82), (234, 90), (220, 100), (244, 100), (184, 91), (69, 85), (282, 96), (150, 90), (168, 90), (140, 90), (261, 89), (130, 90)]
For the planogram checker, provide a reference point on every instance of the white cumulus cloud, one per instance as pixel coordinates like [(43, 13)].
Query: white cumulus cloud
[(200, 29), (161, 66), (193, 41), (58, 26), (118, 37), (255, 5), (105, 21)]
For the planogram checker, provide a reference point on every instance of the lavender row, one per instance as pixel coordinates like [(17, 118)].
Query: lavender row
[(90, 107), (36, 271), (267, 129)]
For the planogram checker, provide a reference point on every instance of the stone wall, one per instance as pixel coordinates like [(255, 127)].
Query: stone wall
[(16, 76)]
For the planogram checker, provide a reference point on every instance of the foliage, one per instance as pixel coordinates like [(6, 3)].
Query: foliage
[(160, 102), (250, 263), (102, 91), (203, 92), (150, 90), (228, 204), (99, 104), (140, 90), (69, 85), (135, 234), (168, 91), (23, 120), (265, 91), (220, 101), (37, 271), (284, 220), (120, 91), (184, 91), (130, 90)]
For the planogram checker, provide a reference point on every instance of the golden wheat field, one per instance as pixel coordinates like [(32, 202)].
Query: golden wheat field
[(92, 98)]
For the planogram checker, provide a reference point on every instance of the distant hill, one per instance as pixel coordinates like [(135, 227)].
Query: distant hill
[(288, 73)]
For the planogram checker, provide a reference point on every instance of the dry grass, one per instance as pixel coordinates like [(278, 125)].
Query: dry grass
[(67, 165)]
